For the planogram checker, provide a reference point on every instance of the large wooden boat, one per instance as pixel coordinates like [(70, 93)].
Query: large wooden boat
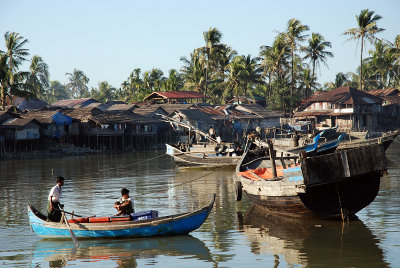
[(178, 224), (332, 185), (204, 155)]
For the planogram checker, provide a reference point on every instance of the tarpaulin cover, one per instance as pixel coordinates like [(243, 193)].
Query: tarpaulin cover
[(61, 119)]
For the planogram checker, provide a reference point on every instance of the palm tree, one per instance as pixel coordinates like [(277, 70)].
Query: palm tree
[(274, 60), (4, 78), (104, 93), (77, 83), (294, 35), (366, 29), (253, 72), (193, 71), (212, 39), (237, 75), (340, 81), (38, 76), (15, 51), (316, 51)]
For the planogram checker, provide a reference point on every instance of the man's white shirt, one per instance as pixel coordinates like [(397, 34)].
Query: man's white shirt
[(55, 194)]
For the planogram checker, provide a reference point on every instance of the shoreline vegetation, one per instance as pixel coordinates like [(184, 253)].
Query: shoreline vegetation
[(284, 73)]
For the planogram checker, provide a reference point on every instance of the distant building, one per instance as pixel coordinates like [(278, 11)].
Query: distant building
[(74, 103), (248, 100), (347, 107), (175, 97)]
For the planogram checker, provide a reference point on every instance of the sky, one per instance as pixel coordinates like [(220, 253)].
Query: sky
[(108, 39)]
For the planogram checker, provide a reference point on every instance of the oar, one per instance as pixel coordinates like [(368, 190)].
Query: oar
[(76, 243), (70, 213)]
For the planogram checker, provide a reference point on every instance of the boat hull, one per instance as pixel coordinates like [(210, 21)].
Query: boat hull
[(334, 185), (205, 158), (179, 224), (334, 200)]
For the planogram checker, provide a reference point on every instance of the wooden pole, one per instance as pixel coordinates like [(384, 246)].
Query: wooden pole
[(272, 158), (283, 161)]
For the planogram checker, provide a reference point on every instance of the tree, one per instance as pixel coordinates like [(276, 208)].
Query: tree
[(212, 48), (237, 75), (316, 51), (4, 78), (252, 73), (193, 71), (104, 93), (341, 80), (38, 76), (57, 91), (294, 35), (11, 78), (15, 51), (173, 82), (366, 30), (77, 83)]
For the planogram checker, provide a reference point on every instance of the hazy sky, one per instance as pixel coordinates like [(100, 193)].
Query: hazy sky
[(108, 39)]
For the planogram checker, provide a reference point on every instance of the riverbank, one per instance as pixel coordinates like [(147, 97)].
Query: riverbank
[(57, 150)]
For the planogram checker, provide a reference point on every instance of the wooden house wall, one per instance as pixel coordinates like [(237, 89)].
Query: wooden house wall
[(29, 132)]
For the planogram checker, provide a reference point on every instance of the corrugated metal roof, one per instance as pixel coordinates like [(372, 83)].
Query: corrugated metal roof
[(31, 105), (384, 92), (121, 107), (259, 110), (345, 95), (18, 122), (196, 115), (175, 95), (72, 102), (393, 99)]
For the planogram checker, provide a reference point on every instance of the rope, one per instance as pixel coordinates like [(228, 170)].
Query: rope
[(340, 202), (195, 179), (117, 168)]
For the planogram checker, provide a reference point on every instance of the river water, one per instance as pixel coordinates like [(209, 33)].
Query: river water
[(234, 235)]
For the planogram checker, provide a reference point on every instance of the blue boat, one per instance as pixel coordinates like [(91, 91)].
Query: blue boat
[(316, 148), (178, 224)]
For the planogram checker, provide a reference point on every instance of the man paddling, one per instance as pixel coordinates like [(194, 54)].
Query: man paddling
[(53, 206)]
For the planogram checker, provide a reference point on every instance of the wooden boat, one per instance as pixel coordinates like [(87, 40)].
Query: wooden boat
[(386, 139), (204, 155), (315, 147), (331, 186), (178, 224)]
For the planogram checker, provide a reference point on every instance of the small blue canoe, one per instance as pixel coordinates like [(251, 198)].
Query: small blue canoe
[(178, 224)]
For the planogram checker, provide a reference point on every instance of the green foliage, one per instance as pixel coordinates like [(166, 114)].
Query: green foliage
[(77, 84), (104, 93), (285, 72)]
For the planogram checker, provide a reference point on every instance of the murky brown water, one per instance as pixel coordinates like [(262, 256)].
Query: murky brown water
[(233, 236)]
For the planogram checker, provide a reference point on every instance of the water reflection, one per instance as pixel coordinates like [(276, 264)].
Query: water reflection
[(123, 253), (311, 242)]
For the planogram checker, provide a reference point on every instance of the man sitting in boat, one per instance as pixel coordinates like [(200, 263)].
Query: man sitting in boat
[(124, 205), (53, 205)]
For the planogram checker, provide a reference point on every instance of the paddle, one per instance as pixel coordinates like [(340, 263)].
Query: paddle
[(70, 213), (76, 243)]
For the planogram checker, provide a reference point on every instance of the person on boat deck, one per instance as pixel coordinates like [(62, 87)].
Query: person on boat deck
[(124, 205), (211, 131), (53, 205), (296, 138)]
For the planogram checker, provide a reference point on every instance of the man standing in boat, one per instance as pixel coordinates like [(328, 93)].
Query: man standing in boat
[(53, 205)]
